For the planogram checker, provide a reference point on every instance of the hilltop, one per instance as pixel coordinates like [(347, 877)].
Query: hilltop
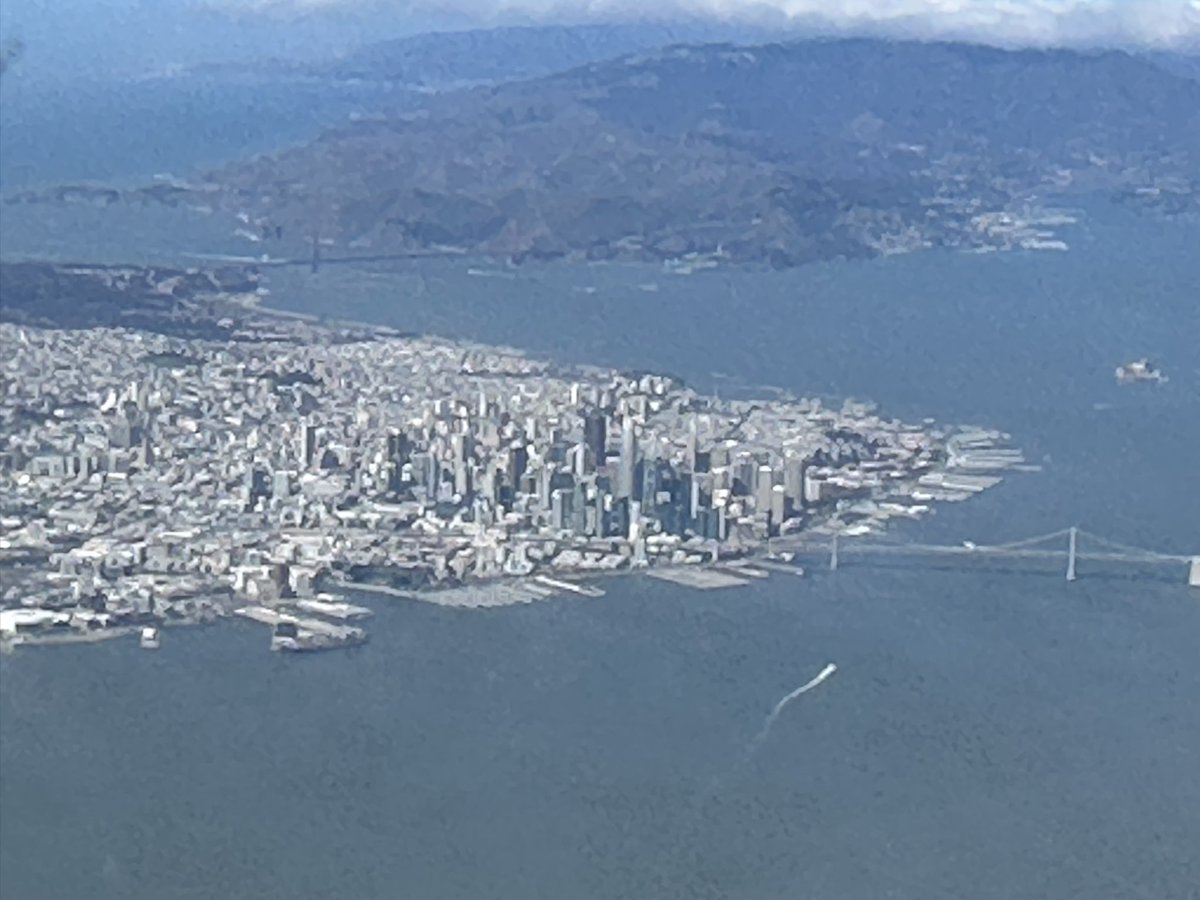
[(784, 153)]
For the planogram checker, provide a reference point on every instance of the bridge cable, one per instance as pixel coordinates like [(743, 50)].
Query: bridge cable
[(1028, 542), (1118, 547)]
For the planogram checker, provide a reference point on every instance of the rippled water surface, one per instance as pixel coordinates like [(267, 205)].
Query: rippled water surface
[(991, 731)]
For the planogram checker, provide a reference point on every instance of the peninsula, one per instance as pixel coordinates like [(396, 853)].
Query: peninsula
[(219, 458)]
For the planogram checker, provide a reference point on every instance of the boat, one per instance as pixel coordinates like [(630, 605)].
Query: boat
[(149, 638), (1140, 370)]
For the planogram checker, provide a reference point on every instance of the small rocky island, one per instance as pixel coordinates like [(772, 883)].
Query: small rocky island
[(186, 455), (1140, 370)]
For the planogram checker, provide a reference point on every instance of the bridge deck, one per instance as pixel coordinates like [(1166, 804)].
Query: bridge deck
[(848, 547)]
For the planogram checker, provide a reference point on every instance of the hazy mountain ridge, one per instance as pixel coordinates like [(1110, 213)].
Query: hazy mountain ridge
[(504, 54), (439, 61), (946, 96), (782, 152), (1184, 64)]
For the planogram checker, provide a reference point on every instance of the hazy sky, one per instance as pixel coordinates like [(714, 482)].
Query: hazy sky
[(130, 37), (1010, 20), (88, 38)]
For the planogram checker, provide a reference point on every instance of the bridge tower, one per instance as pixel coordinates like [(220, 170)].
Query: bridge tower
[(1072, 538), (833, 554)]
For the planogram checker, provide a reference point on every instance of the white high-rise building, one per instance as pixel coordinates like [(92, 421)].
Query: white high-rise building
[(778, 505), (306, 445), (764, 481), (628, 458)]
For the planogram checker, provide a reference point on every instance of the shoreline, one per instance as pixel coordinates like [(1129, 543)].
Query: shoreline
[(294, 453)]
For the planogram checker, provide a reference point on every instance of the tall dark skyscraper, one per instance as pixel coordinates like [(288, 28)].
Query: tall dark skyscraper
[(399, 447), (595, 435), (518, 461), (656, 476)]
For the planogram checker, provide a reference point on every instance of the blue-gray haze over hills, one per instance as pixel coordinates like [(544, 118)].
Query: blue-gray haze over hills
[(784, 153), (189, 117)]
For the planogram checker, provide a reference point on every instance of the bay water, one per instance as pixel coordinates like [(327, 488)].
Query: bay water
[(991, 731)]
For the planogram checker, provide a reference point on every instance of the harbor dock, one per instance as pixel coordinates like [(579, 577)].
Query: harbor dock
[(784, 568), (368, 587), (557, 584), (702, 579), (333, 609), (294, 633), (741, 568)]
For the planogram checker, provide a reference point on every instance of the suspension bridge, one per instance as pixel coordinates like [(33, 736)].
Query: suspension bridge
[(1068, 545)]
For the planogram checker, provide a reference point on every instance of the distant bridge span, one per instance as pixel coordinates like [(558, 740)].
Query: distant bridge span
[(1080, 545)]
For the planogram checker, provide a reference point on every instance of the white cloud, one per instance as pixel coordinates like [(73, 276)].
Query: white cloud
[(1023, 22)]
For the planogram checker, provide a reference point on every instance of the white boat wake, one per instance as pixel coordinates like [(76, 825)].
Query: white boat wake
[(717, 785), (788, 698)]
